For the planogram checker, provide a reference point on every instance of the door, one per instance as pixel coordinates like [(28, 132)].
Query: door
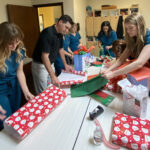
[(27, 19)]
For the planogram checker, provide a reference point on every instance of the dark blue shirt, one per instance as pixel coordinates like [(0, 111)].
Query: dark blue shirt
[(74, 41)]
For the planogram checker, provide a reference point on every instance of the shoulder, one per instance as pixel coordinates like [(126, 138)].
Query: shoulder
[(23, 53), (78, 34), (113, 32), (67, 36), (147, 37), (47, 31)]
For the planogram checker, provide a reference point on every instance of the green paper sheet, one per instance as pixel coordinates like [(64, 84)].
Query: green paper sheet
[(88, 87)]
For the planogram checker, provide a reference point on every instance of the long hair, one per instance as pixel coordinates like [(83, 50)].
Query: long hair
[(8, 33), (106, 23), (135, 44)]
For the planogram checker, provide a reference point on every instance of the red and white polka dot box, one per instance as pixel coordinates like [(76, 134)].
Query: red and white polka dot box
[(131, 132), (24, 120)]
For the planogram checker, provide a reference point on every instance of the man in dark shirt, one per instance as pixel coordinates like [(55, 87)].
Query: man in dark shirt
[(49, 44)]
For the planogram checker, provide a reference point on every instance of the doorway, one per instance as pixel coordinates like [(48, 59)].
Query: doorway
[(49, 14)]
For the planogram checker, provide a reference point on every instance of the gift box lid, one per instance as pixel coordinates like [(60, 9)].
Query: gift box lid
[(141, 74)]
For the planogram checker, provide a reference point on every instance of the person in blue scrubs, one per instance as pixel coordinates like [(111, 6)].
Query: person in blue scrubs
[(68, 55), (12, 76), (75, 38), (137, 39), (106, 37)]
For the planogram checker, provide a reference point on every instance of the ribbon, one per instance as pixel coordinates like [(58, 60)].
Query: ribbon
[(110, 145)]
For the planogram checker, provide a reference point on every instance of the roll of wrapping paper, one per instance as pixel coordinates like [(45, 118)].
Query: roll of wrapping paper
[(88, 87)]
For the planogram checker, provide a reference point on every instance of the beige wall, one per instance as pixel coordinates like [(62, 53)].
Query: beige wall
[(57, 12), (79, 16), (3, 10), (143, 5), (74, 8), (68, 5), (48, 15)]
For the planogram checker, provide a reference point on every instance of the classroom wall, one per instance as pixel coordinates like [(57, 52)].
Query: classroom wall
[(143, 5), (3, 9)]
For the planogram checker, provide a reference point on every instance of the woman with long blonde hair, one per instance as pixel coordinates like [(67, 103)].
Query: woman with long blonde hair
[(138, 47), (12, 53)]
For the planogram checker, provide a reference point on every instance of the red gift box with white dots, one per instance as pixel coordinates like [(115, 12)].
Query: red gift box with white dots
[(24, 120), (131, 132)]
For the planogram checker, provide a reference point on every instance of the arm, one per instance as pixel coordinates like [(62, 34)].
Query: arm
[(139, 63), (62, 55), (99, 43), (47, 63), (68, 54), (2, 111), (22, 81), (108, 47), (70, 51), (119, 62)]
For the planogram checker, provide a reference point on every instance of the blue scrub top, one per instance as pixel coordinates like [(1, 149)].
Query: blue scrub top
[(66, 42), (147, 38), (8, 80), (12, 66), (59, 63), (107, 40), (74, 41)]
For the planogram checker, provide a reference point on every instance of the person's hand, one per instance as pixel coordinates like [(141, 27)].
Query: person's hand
[(108, 47), (71, 56), (2, 116), (28, 96), (104, 71), (68, 67), (55, 81), (109, 75)]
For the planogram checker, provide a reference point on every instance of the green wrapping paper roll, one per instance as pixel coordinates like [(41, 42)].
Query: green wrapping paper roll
[(88, 87)]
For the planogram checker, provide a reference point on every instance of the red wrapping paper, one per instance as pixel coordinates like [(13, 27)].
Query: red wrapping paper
[(81, 73), (24, 120), (71, 82), (131, 132), (112, 84)]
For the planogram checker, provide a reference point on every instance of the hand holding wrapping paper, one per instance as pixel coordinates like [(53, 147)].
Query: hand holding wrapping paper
[(88, 87)]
